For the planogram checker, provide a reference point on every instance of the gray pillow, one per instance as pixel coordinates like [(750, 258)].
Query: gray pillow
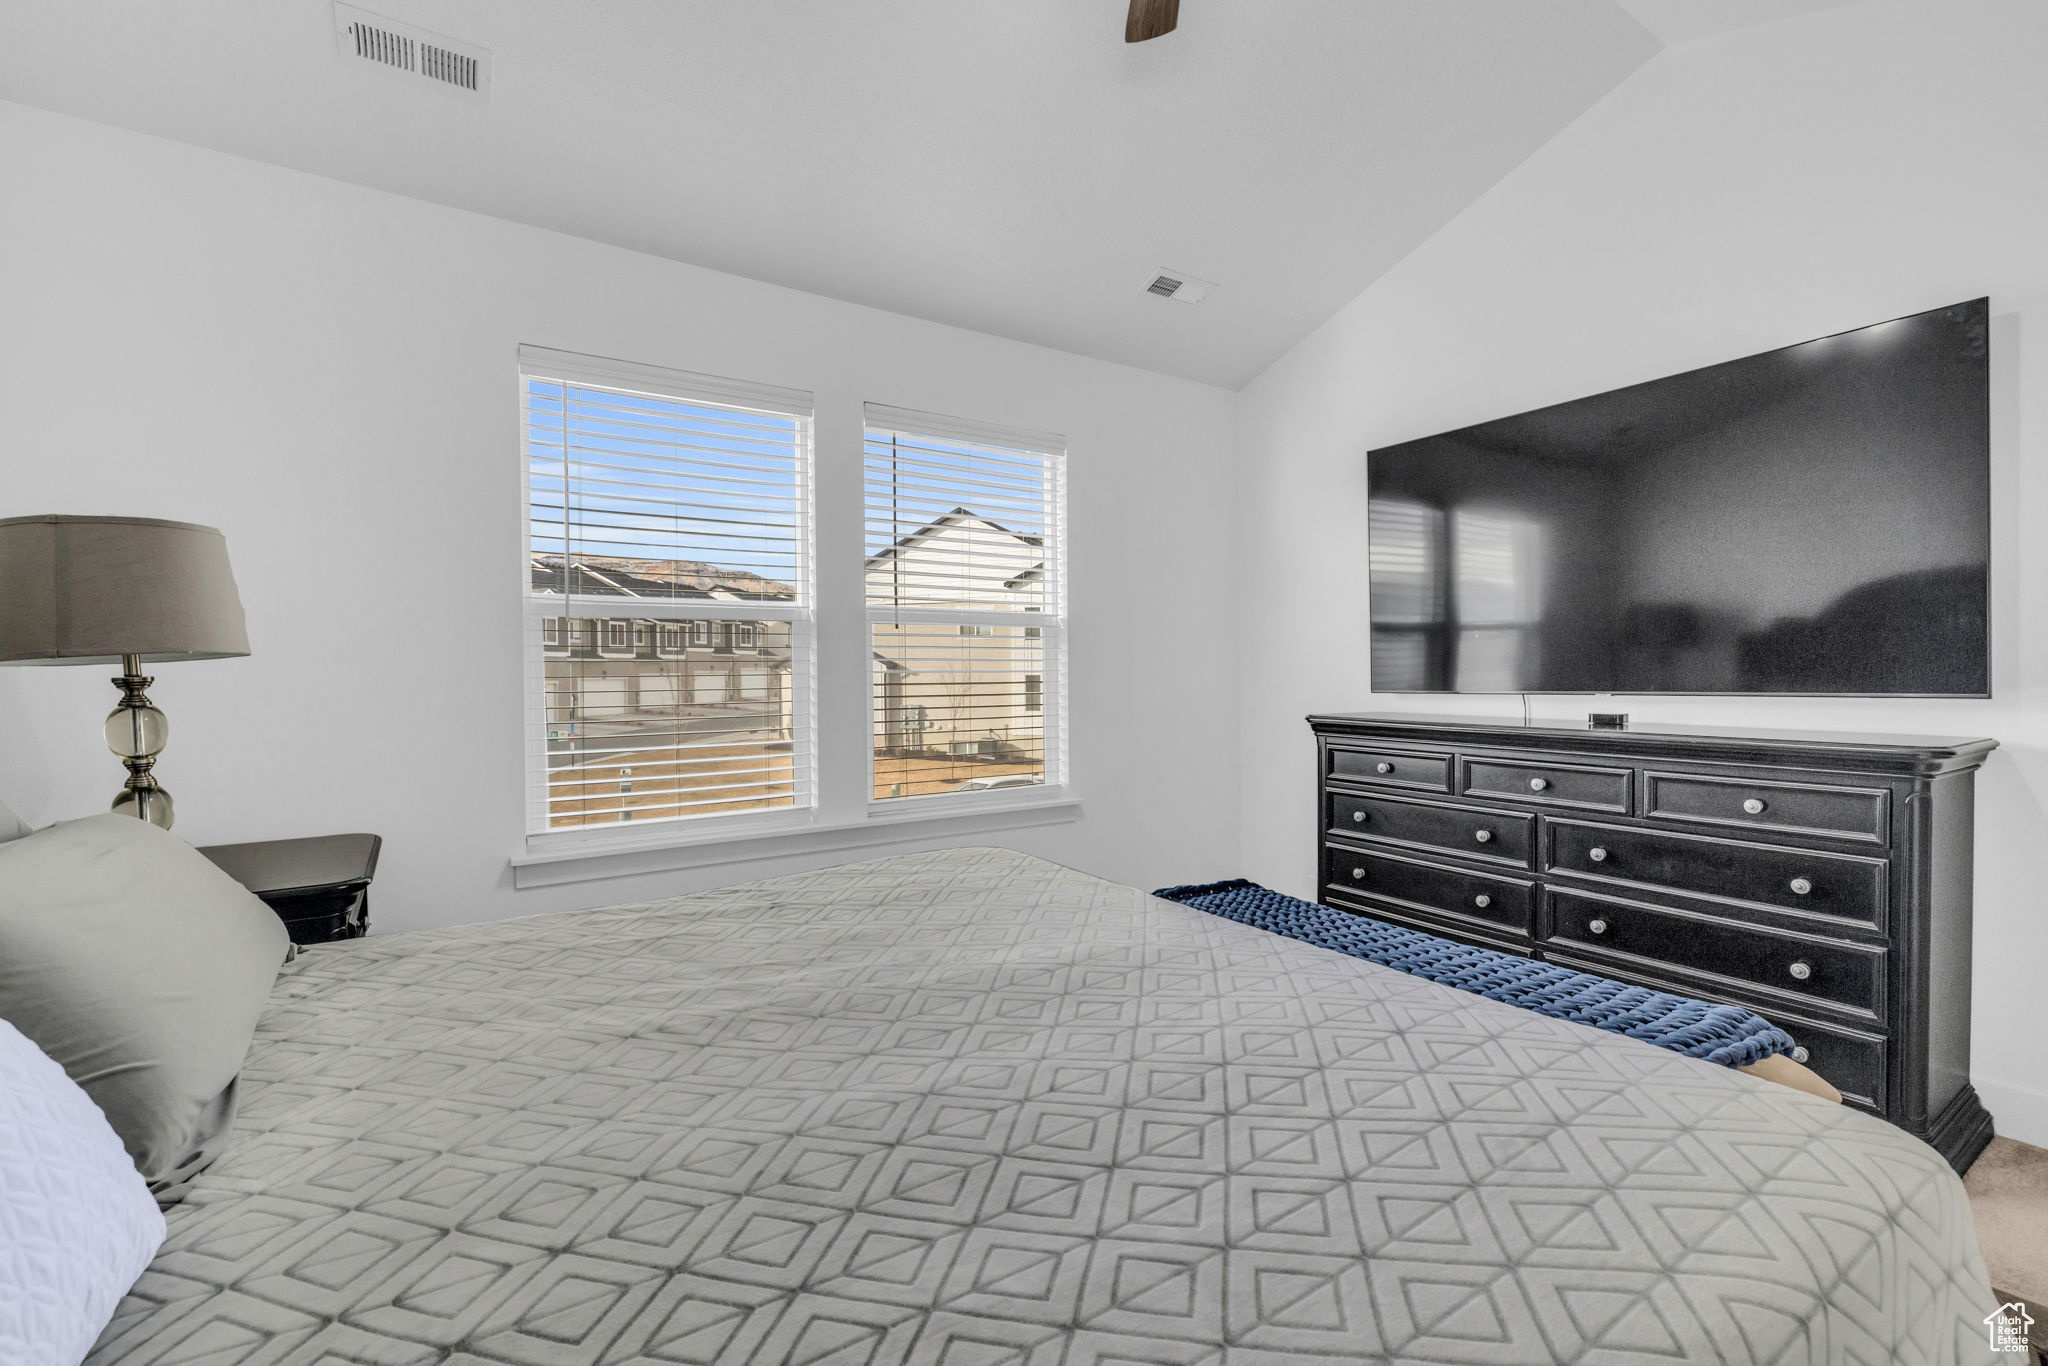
[(12, 827), (141, 968)]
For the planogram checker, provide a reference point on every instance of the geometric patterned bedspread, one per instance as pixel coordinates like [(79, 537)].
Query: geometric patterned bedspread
[(973, 1108)]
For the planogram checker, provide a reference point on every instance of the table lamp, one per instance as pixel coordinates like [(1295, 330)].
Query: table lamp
[(126, 590)]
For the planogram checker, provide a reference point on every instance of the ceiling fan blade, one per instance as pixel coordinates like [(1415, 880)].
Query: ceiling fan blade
[(1150, 19)]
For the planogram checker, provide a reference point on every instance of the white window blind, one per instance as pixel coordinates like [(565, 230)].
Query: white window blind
[(1498, 597), (1499, 568), (669, 602), (1406, 549), (1405, 544), (965, 605)]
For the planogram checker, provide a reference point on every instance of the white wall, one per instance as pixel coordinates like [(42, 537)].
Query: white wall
[(326, 373), (1736, 194)]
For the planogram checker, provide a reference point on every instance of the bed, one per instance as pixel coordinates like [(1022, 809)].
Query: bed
[(972, 1107)]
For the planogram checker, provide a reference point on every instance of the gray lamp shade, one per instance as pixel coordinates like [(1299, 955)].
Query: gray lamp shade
[(88, 590)]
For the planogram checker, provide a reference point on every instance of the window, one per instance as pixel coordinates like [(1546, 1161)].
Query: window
[(1456, 597), (686, 496), (1406, 550), (963, 547), (1497, 559)]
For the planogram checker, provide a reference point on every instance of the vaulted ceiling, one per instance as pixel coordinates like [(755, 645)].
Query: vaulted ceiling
[(1010, 166)]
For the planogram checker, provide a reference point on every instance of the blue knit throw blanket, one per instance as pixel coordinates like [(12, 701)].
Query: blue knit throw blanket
[(1728, 1035)]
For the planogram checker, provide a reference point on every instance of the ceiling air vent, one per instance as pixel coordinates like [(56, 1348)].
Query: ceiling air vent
[(1179, 286), (418, 55)]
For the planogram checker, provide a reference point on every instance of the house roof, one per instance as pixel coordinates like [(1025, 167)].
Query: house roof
[(944, 521), (605, 576)]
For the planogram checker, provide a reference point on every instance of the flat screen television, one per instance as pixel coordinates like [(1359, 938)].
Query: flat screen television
[(1812, 520)]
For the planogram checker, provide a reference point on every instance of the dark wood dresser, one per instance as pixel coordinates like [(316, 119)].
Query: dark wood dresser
[(1822, 880)]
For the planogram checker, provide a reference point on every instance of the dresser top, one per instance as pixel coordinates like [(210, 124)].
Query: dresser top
[(1920, 753)]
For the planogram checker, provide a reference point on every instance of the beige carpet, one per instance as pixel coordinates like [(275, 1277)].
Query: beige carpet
[(2009, 1199)]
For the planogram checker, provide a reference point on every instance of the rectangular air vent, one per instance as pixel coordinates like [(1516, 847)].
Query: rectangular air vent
[(1178, 286), (411, 52)]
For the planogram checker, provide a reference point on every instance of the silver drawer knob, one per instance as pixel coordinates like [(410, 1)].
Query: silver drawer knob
[(1754, 806), (1384, 768), (1799, 1053), (1358, 815), (1801, 970), (1483, 836), (1800, 886), (1538, 784), (1358, 874), (1597, 854), (1482, 901), (1597, 926)]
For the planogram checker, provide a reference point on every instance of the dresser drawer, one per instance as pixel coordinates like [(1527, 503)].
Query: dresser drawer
[(1842, 886), (1501, 903), (1853, 1062), (1495, 836), (1477, 933), (1573, 785), (1860, 813), (1827, 971), (1391, 768)]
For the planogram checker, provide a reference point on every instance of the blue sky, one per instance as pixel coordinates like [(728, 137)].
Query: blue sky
[(630, 457)]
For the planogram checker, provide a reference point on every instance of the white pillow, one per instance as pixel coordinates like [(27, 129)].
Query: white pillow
[(12, 827), (77, 1221)]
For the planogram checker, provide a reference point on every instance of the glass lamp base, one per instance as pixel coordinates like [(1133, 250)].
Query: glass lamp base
[(136, 731), (151, 804)]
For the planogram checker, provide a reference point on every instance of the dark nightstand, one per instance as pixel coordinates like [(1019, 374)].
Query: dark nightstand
[(319, 887)]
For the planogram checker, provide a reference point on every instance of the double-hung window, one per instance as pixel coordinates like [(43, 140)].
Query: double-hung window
[(665, 506), (965, 606), (1410, 600), (671, 645)]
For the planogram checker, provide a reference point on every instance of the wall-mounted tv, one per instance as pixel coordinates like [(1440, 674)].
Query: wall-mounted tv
[(1812, 520)]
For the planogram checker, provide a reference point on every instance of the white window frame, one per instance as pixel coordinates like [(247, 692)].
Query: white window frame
[(545, 843), (841, 813), (1050, 621)]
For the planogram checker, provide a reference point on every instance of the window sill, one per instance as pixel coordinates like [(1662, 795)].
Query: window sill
[(559, 866)]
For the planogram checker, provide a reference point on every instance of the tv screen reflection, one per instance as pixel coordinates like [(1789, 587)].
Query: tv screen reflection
[(1810, 520)]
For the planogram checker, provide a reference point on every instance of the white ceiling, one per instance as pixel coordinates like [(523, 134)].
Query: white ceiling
[(1006, 165)]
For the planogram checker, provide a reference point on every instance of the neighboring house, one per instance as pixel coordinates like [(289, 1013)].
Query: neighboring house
[(615, 679), (959, 690), (660, 703)]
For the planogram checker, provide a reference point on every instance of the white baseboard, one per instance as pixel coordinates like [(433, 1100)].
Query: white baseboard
[(2016, 1111)]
